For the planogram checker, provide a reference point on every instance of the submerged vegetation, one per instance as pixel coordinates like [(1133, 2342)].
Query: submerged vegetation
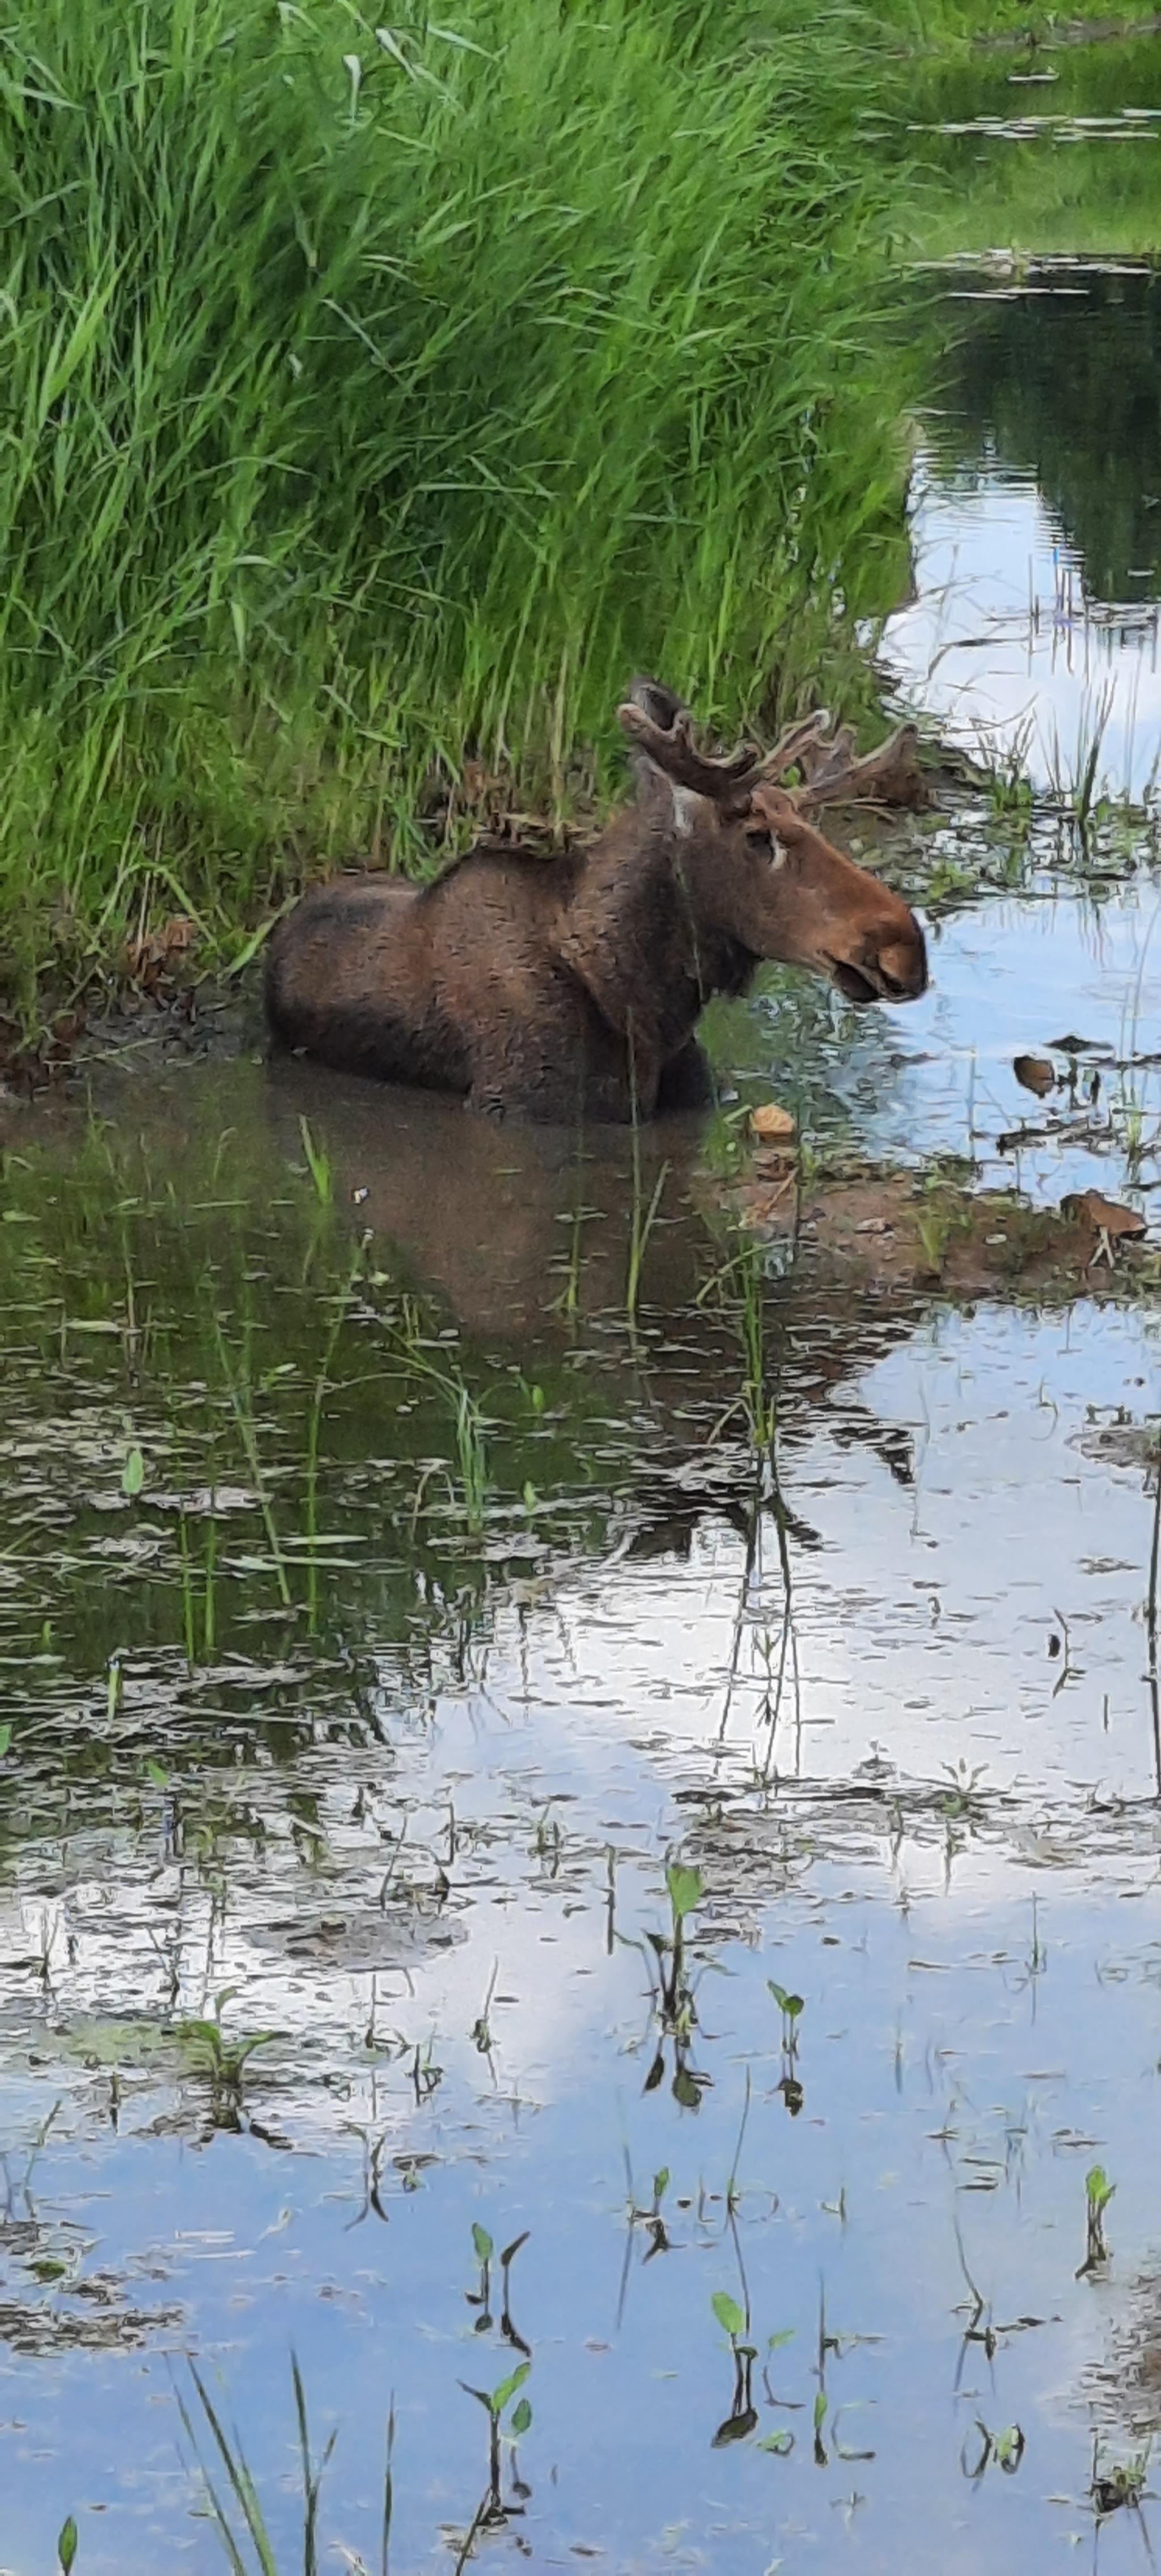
[(374, 396)]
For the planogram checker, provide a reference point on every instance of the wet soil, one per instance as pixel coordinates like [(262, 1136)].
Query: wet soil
[(888, 1230)]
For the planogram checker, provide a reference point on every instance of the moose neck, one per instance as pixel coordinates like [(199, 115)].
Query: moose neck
[(642, 930)]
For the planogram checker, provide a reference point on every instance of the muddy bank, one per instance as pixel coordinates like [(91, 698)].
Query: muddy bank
[(889, 1230)]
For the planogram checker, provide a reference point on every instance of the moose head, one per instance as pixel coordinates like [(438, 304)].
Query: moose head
[(755, 868)]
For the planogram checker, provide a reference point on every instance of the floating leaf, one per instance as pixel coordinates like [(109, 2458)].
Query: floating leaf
[(729, 2315), (780, 2443), (522, 2417), (776, 2341), (66, 2547), (5, 1740), (133, 1475)]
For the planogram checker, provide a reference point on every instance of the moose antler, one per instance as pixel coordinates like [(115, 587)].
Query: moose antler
[(834, 775), (793, 748), (671, 748), (889, 776)]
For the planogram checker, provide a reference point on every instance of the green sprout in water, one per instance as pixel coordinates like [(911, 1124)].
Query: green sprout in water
[(66, 2547), (685, 1892), (1120, 2486), (742, 2419), (791, 2007), (223, 2060), (492, 2511), (654, 2221), (678, 2013), (481, 2298), (743, 2415), (481, 2031), (1098, 2193), (1003, 2450)]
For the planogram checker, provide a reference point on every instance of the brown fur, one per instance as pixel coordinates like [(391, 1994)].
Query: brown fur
[(572, 986)]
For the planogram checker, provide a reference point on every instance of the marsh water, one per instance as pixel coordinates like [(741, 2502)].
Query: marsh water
[(579, 1794)]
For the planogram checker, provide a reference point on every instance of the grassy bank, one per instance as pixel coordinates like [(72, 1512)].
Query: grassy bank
[(374, 395)]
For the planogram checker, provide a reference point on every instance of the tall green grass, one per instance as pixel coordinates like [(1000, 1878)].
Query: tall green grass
[(369, 394)]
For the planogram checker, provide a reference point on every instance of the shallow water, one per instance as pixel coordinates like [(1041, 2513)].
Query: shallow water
[(409, 1827), (1034, 973), (396, 1630)]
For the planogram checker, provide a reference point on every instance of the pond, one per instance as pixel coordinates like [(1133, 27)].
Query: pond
[(579, 1793), (1036, 527)]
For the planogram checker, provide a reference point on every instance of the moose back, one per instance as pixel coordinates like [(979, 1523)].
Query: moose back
[(572, 986)]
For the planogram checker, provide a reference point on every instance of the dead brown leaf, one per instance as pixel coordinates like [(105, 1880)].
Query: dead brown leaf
[(1035, 1072), (1089, 1207), (773, 1125), (148, 960)]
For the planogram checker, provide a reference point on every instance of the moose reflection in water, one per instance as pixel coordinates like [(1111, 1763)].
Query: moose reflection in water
[(524, 1235), (573, 986)]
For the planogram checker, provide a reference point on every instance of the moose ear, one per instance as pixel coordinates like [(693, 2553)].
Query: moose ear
[(763, 841), (663, 710), (661, 705)]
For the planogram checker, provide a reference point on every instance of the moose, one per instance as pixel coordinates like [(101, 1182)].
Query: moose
[(571, 987)]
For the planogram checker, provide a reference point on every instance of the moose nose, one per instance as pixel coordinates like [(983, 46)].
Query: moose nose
[(902, 968)]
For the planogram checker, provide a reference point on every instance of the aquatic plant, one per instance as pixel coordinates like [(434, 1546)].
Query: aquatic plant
[(492, 2510), (243, 2522), (1120, 2485), (222, 2058), (791, 2007), (1098, 2193)]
